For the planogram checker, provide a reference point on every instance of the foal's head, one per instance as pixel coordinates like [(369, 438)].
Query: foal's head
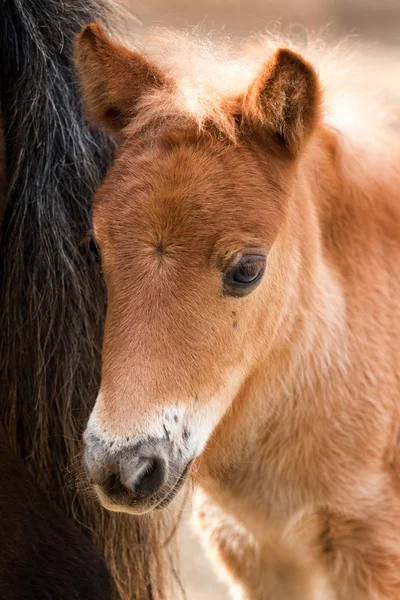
[(187, 224)]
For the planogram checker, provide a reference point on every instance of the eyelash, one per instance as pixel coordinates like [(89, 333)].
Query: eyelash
[(95, 250), (234, 279), (90, 244)]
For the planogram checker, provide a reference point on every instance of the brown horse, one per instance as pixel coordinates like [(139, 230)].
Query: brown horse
[(250, 243)]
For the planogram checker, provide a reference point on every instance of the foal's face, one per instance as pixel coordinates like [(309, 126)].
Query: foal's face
[(186, 225), (184, 232)]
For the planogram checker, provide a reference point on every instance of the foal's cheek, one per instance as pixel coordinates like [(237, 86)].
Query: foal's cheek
[(247, 335), (211, 408)]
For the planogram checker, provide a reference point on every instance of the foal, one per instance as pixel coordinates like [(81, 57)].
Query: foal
[(252, 259)]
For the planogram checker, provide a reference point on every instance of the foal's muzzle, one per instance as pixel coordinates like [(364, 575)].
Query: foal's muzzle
[(136, 478)]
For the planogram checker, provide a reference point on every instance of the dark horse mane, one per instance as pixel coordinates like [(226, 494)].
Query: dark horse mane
[(52, 298)]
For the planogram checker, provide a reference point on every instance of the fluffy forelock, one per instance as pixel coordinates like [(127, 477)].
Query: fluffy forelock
[(208, 73)]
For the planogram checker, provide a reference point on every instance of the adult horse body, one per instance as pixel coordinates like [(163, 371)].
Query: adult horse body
[(251, 251), (43, 554), (52, 304)]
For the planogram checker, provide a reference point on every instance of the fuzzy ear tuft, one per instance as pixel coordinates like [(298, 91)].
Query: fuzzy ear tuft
[(113, 78), (286, 99)]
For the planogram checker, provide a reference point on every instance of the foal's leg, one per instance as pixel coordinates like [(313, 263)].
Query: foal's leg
[(274, 571)]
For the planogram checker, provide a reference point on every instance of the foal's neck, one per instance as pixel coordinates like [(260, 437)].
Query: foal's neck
[(311, 338)]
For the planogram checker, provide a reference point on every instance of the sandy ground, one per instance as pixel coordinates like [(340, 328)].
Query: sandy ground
[(198, 576), (377, 25)]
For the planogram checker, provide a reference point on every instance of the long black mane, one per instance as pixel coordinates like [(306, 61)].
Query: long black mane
[(52, 298)]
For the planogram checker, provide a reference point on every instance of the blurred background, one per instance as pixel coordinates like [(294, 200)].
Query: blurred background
[(374, 20), (375, 27)]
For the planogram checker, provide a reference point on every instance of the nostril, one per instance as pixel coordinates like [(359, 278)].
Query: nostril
[(152, 478), (148, 477), (111, 483), (134, 474), (113, 487)]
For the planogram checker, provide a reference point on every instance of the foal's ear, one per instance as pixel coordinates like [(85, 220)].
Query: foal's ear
[(112, 77), (285, 98)]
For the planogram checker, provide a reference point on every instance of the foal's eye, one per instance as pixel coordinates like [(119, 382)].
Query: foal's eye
[(95, 250), (245, 275), (89, 244)]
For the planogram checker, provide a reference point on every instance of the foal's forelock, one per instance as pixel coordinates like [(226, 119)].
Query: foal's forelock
[(218, 85)]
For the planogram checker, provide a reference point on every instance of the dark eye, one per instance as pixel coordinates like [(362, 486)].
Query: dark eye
[(88, 243), (244, 276), (95, 250)]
